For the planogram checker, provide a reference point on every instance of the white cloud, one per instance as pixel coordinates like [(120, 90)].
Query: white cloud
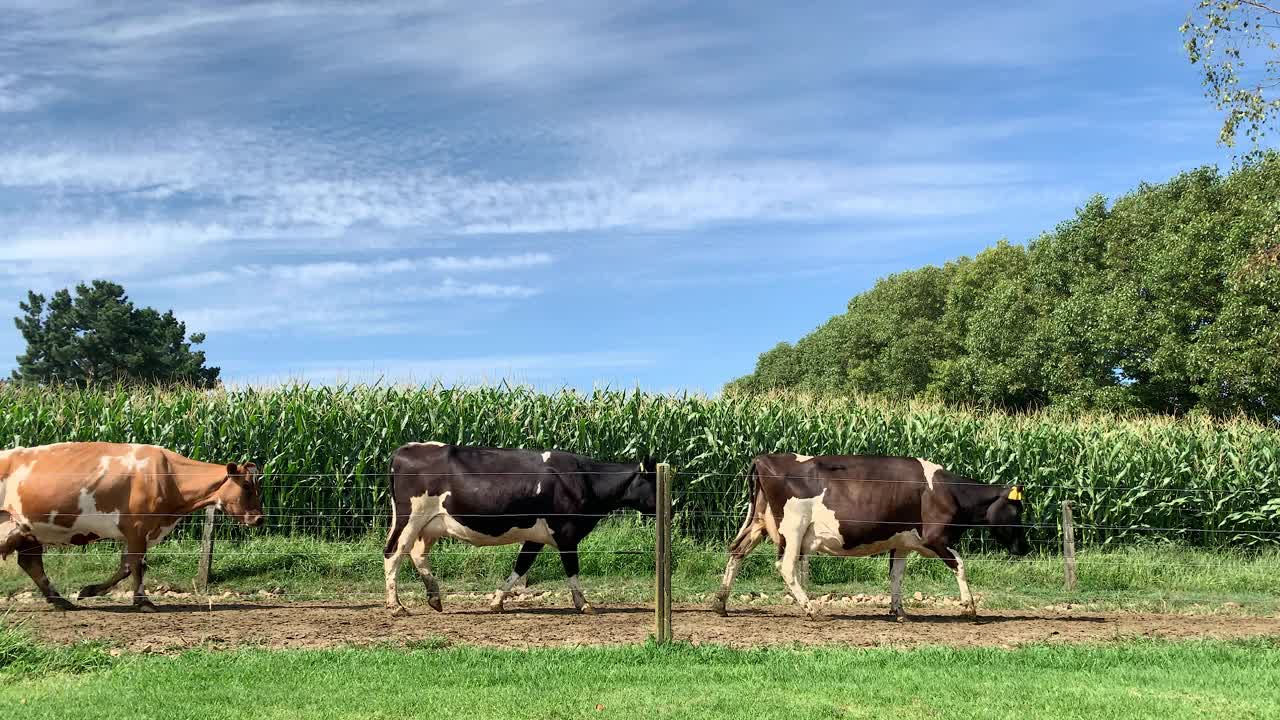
[(342, 271), (509, 262), (352, 311), (95, 240), (103, 171), (19, 97)]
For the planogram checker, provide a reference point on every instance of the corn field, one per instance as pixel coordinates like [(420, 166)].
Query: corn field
[(325, 451)]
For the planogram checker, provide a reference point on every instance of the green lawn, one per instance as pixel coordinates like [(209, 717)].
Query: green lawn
[(1143, 680), (1156, 577)]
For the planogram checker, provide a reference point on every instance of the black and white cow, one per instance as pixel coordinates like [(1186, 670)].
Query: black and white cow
[(860, 505), (492, 496)]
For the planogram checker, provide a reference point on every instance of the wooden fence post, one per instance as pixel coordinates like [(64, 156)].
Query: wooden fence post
[(662, 557), (1068, 547), (206, 550)]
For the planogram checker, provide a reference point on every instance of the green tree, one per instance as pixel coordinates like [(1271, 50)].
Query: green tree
[(1234, 44), (1164, 301), (99, 336)]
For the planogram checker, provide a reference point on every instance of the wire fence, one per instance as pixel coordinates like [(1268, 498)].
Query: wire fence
[(354, 505)]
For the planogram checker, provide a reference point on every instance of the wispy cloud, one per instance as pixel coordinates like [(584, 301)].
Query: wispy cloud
[(353, 311), (17, 96), (328, 273)]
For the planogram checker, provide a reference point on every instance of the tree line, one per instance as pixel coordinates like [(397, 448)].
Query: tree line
[(1166, 300)]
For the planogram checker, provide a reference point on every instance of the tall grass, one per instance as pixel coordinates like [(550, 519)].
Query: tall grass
[(326, 450)]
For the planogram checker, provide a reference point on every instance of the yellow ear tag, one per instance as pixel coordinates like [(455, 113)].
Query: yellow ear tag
[(1014, 494)]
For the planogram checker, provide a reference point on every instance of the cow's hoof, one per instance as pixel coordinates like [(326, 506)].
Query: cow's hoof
[(435, 604), (399, 611), (587, 609), (145, 606), (61, 603), (88, 591), (495, 608), (720, 609)]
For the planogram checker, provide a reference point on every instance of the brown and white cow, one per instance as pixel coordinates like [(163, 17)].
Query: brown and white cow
[(861, 505), (76, 493)]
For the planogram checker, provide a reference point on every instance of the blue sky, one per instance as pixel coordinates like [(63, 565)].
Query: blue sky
[(569, 193)]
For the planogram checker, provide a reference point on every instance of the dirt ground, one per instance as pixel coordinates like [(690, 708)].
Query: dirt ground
[(299, 624)]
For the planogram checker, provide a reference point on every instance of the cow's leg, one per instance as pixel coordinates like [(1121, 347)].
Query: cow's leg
[(404, 533), (747, 539), (897, 566), (953, 561), (421, 557), (11, 536), (135, 557), (569, 558), (101, 588), (31, 559), (528, 554), (787, 568), (802, 569)]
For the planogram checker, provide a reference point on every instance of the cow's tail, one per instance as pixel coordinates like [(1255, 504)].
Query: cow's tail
[(753, 525), (398, 519)]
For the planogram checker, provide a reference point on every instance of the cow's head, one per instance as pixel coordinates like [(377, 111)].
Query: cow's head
[(1005, 519), (242, 497), (642, 493)]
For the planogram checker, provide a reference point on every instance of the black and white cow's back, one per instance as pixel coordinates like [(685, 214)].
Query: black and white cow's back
[(500, 496)]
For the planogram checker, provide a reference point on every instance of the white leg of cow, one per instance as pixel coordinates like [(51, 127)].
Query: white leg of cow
[(580, 600), (802, 570), (787, 567), (569, 558), (748, 537), (966, 598), (421, 557), (897, 566), (500, 595), (397, 548), (519, 574)]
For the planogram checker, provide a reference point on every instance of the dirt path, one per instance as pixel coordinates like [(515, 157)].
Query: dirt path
[(326, 624)]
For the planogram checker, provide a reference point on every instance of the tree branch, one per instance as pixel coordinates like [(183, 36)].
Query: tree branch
[(1260, 6)]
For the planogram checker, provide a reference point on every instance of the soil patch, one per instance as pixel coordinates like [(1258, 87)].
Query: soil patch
[(281, 624)]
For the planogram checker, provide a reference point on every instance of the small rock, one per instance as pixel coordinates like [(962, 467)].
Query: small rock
[(918, 596)]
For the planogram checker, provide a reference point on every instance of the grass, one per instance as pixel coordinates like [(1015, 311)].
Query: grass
[(21, 657), (1149, 578), (1167, 681)]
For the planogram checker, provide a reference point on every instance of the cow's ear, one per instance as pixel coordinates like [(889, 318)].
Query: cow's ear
[(232, 469)]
